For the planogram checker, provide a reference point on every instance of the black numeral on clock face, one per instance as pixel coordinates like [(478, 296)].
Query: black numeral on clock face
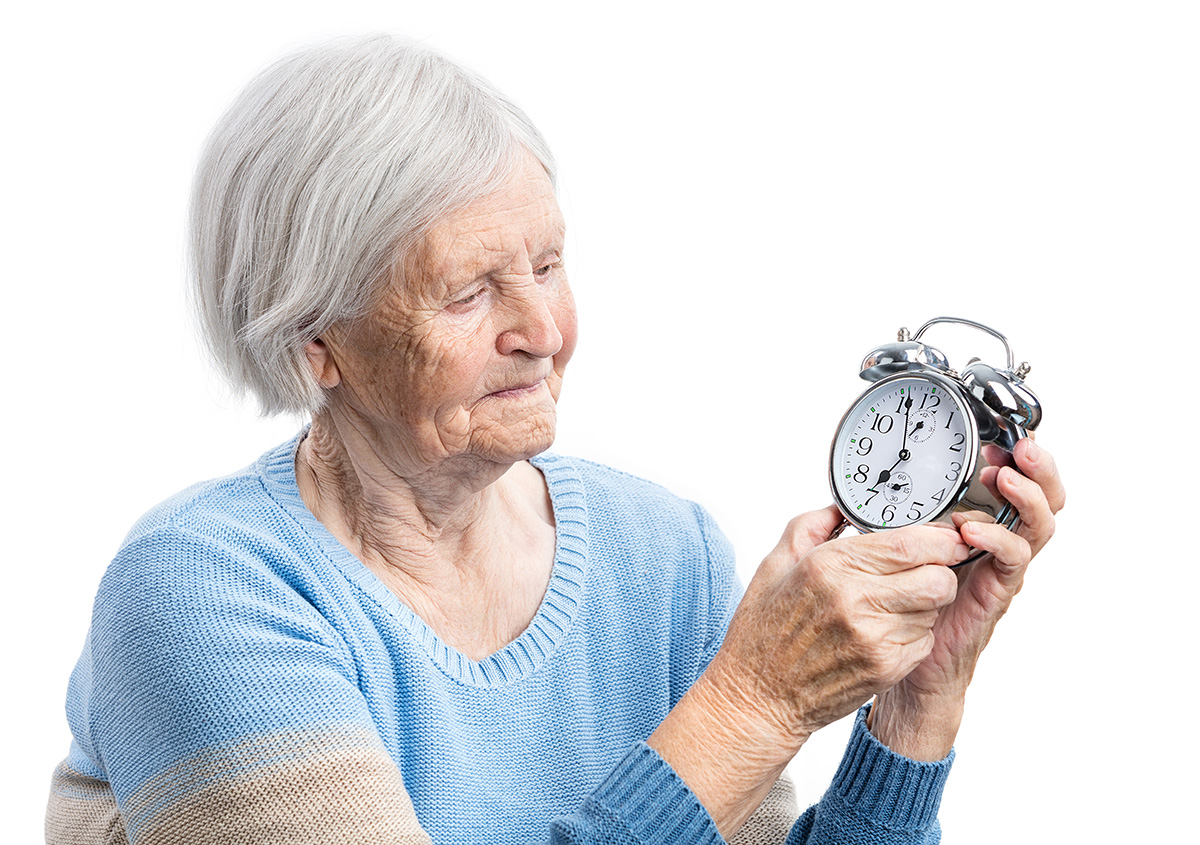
[(882, 424)]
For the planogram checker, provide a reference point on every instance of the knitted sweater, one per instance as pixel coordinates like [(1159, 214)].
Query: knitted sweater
[(246, 679)]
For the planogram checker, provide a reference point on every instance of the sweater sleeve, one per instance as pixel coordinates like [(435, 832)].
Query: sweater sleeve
[(214, 704), (877, 798)]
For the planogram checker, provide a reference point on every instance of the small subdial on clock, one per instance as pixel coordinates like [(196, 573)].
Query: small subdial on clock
[(921, 426), (898, 488)]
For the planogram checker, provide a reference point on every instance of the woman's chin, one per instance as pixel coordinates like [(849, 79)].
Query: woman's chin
[(517, 441)]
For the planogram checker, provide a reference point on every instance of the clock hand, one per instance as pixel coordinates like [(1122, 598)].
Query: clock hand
[(904, 441), (885, 474)]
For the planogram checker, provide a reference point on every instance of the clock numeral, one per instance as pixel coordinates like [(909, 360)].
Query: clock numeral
[(889, 513), (955, 468), (864, 445), (950, 418), (957, 447), (937, 401), (873, 493), (863, 469), (913, 513), (882, 424), (939, 495)]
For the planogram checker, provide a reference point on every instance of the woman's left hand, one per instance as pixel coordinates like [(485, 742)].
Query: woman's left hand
[(919, 717)]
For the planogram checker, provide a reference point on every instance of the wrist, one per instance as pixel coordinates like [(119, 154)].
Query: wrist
[(922, 730)]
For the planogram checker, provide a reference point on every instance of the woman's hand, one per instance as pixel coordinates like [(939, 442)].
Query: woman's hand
[(823, 627), (919, 716), (826, 625)]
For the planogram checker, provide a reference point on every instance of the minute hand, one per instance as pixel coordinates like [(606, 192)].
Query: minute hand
[(904, 442)]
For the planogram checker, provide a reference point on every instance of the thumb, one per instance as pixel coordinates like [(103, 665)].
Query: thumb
[(804, 533)]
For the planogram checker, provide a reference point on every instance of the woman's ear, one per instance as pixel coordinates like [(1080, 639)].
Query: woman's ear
[(320, 358)]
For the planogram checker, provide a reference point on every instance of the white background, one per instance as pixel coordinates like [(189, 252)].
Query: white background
[(757, 193)]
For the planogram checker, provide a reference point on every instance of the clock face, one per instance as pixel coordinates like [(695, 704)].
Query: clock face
[(903, 453)]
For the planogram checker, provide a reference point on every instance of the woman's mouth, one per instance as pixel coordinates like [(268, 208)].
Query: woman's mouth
[(518, 391)]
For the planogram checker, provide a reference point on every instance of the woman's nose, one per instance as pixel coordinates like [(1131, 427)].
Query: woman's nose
[(530, 324)]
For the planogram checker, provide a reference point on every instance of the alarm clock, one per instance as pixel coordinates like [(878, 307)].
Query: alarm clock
[(926, 441)]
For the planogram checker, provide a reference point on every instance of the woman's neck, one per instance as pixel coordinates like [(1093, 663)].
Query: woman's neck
[(467, 544)]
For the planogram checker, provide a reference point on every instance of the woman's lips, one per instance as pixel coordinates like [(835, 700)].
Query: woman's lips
[(517, 390)]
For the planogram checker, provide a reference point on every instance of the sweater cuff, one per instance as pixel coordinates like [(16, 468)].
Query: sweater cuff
[(885, 788), (653, 803)]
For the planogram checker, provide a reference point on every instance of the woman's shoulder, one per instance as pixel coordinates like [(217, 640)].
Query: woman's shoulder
[(240, 534), (218, 506), (620, 502), (600, 479)]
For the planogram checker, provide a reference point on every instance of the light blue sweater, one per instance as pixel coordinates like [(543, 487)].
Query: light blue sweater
[(240, 657)]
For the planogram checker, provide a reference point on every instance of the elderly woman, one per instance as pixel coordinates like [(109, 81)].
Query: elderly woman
[(411, 623)]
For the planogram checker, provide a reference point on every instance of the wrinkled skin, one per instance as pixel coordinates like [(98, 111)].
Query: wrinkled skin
[(417, 463)]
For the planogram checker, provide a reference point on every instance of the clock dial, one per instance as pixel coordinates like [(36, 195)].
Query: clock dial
[(901, 453)]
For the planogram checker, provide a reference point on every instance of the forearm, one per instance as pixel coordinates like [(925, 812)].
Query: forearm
[(728, 756)]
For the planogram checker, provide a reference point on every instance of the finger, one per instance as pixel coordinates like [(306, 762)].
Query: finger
[(1037, 519), (808, 530), (799, 537), (896, 550), (920, 590), (987, 477), (910, 655), (1010, 551), (1038, 464)]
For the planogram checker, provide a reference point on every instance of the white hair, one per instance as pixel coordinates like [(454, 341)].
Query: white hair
[(326, 171)]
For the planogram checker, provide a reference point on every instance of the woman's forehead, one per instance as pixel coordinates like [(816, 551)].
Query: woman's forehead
[(520, 218)]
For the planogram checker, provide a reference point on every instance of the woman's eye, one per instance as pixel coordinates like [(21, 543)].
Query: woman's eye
[(467, 300)]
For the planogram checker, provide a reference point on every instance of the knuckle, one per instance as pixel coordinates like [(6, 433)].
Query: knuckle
[(943, 585), (794, 525), (904, 545), (1025, 550)]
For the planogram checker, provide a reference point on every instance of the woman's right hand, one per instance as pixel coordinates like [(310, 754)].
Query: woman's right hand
[(824, 625)]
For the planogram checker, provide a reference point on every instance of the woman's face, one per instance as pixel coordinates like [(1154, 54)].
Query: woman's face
[(465, 355)]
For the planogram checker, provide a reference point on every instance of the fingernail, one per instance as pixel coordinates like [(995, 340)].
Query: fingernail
[(1013, 477), (1032, 452)]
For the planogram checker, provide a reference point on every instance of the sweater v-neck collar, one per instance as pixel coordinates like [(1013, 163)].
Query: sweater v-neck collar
[(549, 627)]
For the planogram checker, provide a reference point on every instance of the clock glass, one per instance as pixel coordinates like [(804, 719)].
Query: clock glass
[(904, 452)]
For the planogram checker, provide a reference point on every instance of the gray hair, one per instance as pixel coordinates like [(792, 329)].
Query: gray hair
[(326, 171)]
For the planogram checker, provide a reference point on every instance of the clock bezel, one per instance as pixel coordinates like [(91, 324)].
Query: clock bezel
[(971, 450)]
